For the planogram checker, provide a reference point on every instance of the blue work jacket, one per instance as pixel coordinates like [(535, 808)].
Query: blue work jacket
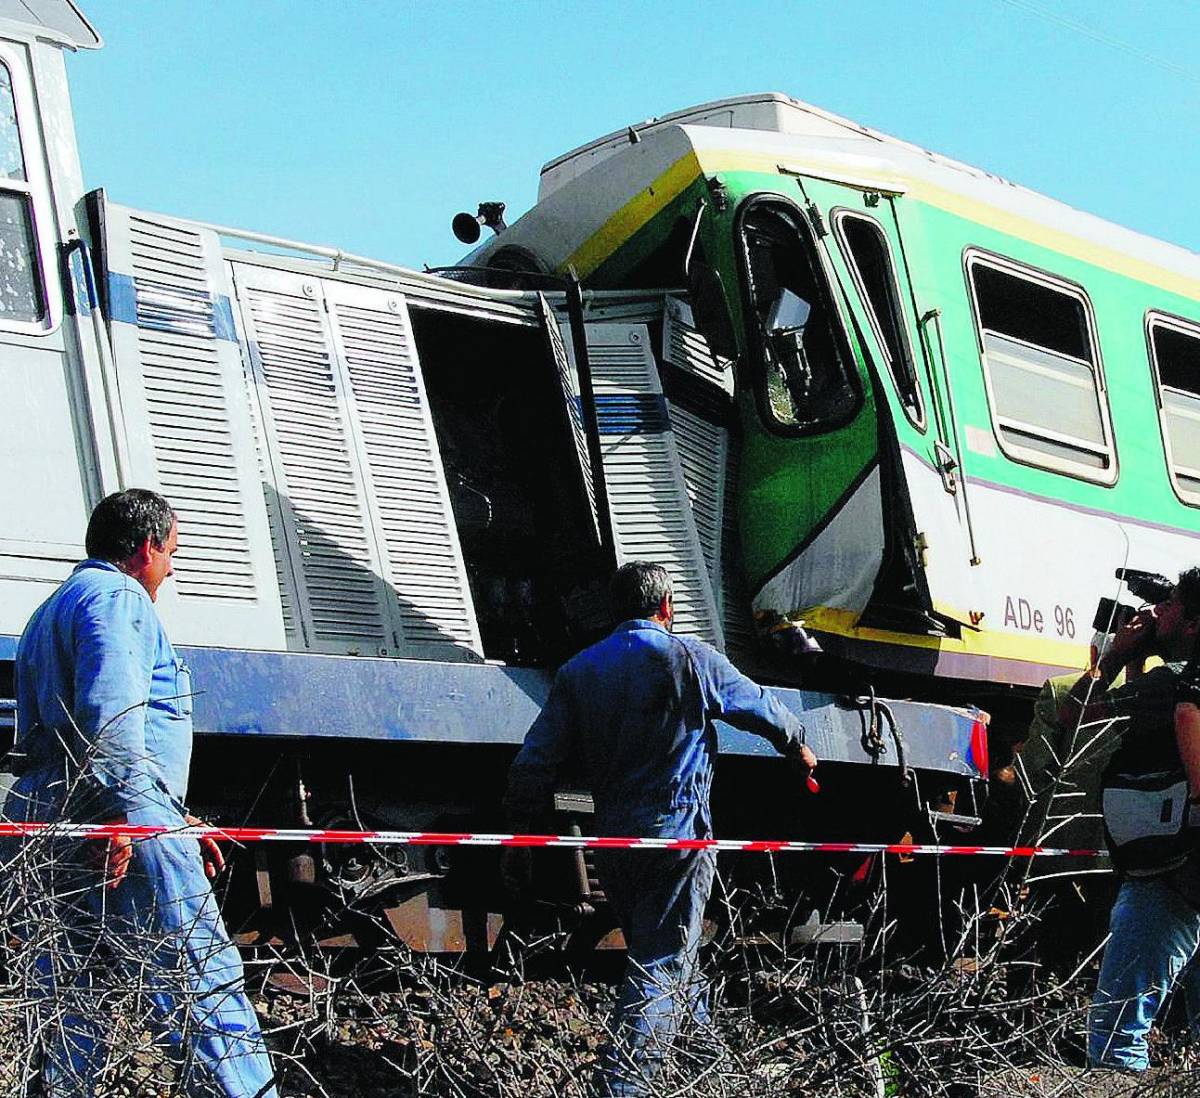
[(638, 707), (102, 698)]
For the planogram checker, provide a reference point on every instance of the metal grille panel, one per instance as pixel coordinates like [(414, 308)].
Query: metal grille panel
[(171, 255), (733, 600), (648, 499), (684, 346), (569, 382), (187, 409), (701, 448), (320, 495), (709, 456), (418, 541)]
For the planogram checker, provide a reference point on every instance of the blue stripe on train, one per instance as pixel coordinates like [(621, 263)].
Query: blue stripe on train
[(123, 307), (632, 413), (618, 413)]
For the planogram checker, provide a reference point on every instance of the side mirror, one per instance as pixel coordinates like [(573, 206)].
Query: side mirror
[(710, 307)]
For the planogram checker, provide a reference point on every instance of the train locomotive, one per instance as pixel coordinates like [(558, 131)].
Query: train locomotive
[(891, 423)]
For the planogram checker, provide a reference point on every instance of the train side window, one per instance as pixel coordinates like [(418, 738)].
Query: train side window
[(1041, 369), (22, 294), (870, 260), (1175, 357), (807, 383)]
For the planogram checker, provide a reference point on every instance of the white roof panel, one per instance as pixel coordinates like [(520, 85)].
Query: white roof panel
[(58, 20)]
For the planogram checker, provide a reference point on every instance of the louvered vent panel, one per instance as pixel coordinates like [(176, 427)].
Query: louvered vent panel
[(651, 513), (172, 255), (568, 380), (732, 597), (328, 529), (186, 406), (289, 612), (701, 447), (708, 453), (685, 347), (415, 523), (291, 621)]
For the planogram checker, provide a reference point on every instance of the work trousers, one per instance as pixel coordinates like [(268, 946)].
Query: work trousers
[(1155, 938), (153, 951), (659, 898)]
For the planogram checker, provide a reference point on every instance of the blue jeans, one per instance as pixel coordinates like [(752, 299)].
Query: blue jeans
[(658, 897), (159, 931), (1155, 939)]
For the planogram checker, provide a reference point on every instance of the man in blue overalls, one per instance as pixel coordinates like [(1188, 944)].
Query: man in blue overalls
[(639, 708), (104, 732)]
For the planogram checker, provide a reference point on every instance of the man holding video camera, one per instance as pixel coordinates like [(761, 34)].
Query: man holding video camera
[(1155, 922)]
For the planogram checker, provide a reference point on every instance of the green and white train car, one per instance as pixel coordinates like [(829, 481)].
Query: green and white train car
[(948, 407)]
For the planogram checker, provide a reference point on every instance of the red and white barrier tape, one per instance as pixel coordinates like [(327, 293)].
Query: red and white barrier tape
[(587, 842)]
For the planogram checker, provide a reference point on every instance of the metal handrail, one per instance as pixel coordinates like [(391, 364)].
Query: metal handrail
[(108, 370), (935, 316), (338, 257)]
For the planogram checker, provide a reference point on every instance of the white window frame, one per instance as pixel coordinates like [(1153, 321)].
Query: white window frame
[(36, 186), (1027, 455), (1190, 328), (840, 217)]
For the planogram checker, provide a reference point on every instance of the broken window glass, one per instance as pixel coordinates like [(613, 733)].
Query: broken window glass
[(807, 381)]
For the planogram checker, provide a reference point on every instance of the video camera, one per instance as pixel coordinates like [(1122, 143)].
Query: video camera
[(1150, 587)]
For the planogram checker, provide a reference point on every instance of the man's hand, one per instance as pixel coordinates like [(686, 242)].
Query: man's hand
[(806, 758), (805, 761), (116, 856), (1133, 643), (210, 852)]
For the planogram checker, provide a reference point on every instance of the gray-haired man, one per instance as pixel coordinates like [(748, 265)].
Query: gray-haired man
[(639, 706), (104, 731)]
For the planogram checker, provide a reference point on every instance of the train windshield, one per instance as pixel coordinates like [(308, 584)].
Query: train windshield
[(806, 382)]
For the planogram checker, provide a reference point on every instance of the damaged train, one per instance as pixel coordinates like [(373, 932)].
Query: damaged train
[(845, 389)]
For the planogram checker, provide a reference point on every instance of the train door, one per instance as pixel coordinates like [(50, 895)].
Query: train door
[(933, 464), (865, 250), (810, 510), (920, 500)]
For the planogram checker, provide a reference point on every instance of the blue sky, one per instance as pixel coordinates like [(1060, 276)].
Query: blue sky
[(366, 124)]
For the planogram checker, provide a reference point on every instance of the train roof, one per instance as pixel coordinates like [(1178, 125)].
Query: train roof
[(765, 112), (56, 20), (774, 132)]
